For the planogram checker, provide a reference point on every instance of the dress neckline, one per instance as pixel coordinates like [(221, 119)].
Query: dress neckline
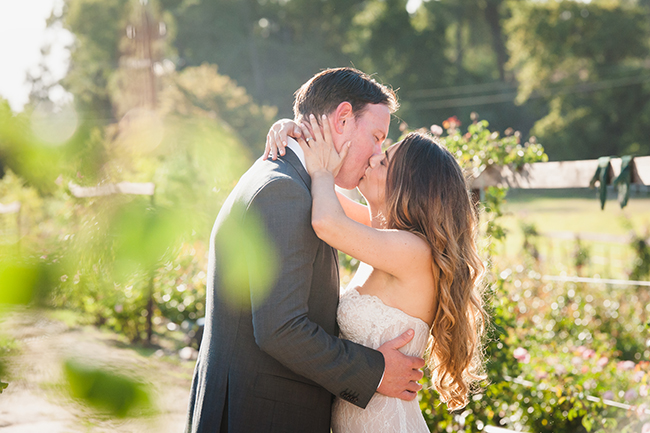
[(378, 299)]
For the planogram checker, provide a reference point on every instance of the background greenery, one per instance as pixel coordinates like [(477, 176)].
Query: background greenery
[(571, 73)]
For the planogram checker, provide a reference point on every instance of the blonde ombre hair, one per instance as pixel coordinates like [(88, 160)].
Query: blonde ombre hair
[(426, 193)]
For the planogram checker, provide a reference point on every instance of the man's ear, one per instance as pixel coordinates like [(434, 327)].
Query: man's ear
[(342, 116)]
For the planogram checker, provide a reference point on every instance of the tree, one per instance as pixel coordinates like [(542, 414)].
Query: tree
[(586, 62), (269, 47), (95, 54)]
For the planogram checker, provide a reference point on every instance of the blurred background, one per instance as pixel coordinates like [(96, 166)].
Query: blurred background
[(124, 124)]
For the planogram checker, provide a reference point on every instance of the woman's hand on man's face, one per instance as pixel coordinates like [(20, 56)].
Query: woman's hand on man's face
[(318, 146)]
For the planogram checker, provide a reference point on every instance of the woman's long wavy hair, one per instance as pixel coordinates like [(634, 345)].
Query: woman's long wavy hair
[(426, 193)]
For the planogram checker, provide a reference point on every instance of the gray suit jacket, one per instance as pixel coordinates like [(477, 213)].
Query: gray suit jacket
[(273, 363)]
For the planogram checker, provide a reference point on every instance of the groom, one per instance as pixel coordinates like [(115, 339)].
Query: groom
[(271, 359)]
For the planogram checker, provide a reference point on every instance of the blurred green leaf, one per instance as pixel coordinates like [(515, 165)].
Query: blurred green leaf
[(143, 235), (105, 390), (18, 283), (248, 257), (23, 281)]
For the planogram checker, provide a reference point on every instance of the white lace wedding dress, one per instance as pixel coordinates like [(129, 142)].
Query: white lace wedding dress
[(366, 320)]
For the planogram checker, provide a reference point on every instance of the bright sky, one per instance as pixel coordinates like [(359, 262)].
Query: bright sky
[(22, 35)]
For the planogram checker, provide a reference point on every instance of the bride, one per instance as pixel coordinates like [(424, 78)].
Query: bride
[(417, 235)]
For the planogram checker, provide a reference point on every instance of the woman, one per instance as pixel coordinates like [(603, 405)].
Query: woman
[(418, 235)]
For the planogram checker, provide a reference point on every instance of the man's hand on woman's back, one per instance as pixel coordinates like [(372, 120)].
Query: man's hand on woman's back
[(401, 373)]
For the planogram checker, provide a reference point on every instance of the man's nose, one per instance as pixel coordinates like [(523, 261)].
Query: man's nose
[(374, 159)]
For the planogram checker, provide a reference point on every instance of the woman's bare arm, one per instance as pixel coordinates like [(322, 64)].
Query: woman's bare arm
[(397, 252)]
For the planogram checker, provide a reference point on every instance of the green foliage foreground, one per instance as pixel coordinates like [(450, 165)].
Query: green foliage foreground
[(105, 390)]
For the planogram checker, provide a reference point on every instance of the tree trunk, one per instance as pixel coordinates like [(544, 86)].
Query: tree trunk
[(493, 19)]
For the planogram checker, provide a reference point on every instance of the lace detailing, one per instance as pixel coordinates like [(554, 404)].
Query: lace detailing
[(366, 320)]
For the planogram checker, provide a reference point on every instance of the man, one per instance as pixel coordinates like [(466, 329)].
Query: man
[(270, 360)]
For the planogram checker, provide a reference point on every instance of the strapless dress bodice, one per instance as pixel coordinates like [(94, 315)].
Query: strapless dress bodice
[(366, 320)]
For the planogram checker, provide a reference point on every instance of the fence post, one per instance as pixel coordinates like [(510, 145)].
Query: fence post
[(150, 300)]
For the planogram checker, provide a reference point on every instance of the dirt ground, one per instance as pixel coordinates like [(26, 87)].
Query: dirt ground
[(37, 400)]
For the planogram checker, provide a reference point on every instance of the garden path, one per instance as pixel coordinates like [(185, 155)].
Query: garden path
[(36, 399)]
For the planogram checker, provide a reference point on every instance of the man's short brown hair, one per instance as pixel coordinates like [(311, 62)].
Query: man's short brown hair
[(326, 90)]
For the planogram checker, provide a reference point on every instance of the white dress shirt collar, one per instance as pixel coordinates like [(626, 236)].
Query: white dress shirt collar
[(293, 145)]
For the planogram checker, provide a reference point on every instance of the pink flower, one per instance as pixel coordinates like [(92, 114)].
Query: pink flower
[(588, 353), (638, 375), (576, 360), (580, 349), (608, 395), (541, 375), (644, 390), (436, 130), (602, 362), (645, 428), (521, 355), (626, 365), (631, 394)]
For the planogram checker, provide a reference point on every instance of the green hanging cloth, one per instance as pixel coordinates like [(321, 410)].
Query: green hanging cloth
[(601, 175), (624, 179)]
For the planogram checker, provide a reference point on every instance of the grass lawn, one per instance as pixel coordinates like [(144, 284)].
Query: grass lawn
[(558, 215)]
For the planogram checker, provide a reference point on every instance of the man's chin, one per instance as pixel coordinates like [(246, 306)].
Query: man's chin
[(346, 183)]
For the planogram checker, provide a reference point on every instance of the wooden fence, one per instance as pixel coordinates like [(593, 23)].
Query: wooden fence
[(557, 174)]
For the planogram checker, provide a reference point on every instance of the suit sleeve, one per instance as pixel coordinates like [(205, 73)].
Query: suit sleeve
[(281, 324)]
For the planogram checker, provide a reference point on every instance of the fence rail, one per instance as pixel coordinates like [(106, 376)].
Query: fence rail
[(608, 281), (10, 208), (112, 188)]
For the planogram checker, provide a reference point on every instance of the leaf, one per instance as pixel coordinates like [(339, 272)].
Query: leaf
[(3, 385), (572, 414), (23, 281), (243, 245), (105, 390)]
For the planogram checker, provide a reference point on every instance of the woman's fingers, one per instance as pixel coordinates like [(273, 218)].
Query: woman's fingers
[(304, 145), (275, 142), (268, 147), (278, 135), (306, 133), (344, 150), (315, 127), (327, 132)]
